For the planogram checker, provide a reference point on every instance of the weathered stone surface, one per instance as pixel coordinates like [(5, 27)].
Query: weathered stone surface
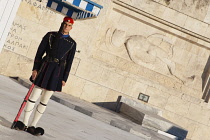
[(112, 96), (74, 86), (75, 65), (32, 50), (106, 57), (133, 88), (112, 80), (93, 92), (4, 60), (204, 44), (195, 26), (191, 127), (174, 16), (181, 56), (199, 114), (197, 9), (157, 97), (198, 63), (207, 17), (191, 99), (191, 92), (177, 105), (112, 43), (201, 131), (207, 32), (148, 6), (175, 118), (89, 71), (18, 65), (115, 38), (33, 8)]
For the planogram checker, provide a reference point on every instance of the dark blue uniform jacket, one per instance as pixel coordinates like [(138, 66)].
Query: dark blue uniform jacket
[(50, 73)]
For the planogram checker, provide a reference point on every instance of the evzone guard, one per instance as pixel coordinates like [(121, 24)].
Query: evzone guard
[(49, 73)]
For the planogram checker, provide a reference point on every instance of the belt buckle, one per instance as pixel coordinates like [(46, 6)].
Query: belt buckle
[(56, 60)]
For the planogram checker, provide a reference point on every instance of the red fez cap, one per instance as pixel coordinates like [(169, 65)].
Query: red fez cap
[(68, 19)]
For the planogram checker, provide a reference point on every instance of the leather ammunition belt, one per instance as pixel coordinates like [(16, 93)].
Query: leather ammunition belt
[(50, 59)]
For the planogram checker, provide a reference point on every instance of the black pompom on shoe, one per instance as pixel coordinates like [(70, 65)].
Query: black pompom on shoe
[(31, 130), (39, 131), (19, 126)]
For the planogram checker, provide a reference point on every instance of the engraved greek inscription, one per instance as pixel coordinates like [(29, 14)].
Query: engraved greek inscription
[(29, 2), (11, 35), (9, 47), (18, 38), (18, 26), (41, 6), (17, 44), (13, 30), (34, 4)]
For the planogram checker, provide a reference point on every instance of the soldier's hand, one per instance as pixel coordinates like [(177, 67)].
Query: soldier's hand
[(34, 74), (63, 83)]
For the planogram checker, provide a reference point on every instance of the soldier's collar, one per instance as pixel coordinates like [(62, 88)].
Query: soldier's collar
[(65, 36)]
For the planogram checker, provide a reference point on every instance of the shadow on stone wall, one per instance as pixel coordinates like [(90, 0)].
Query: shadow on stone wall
[(181, 133), (107, 105), (206, 81)]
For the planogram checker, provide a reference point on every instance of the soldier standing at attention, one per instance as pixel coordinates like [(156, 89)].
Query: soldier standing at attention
[(49, 73)]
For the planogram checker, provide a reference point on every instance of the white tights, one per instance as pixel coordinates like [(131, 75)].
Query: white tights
[(45, 96)]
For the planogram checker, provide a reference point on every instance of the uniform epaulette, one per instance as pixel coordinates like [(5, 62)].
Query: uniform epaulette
[(52, 34)]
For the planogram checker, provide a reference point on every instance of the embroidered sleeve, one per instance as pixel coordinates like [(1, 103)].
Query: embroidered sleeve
[(69, 62), (40, 52)]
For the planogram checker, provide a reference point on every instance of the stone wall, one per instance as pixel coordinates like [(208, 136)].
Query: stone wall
[(153, 47), (198, 9)]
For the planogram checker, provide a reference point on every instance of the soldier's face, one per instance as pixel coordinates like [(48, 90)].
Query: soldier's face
[(67, 27)]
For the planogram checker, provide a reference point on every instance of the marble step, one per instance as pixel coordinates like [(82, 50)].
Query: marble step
[(136, 104), (149, 117)]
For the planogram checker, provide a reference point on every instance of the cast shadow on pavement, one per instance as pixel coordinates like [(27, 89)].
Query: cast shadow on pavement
[(5, 122)]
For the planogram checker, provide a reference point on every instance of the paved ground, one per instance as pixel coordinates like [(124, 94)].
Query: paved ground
[(59, 121)]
